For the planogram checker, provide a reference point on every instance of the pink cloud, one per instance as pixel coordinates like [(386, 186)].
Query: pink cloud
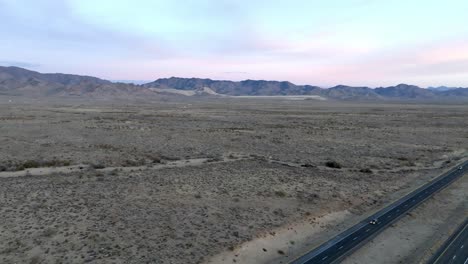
[(314, 62), (445, 52)]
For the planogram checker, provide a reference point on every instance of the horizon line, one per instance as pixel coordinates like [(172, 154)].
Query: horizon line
[(143, 82)]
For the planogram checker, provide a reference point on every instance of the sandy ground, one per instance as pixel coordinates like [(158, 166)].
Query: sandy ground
[(192, 181), (418, 235)]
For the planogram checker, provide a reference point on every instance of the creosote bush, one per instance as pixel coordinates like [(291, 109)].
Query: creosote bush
[(30, 164), (366, 170), (280, 194), (333, 164)]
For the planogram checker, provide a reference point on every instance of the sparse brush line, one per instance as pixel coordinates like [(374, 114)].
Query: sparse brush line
[(87, 167)]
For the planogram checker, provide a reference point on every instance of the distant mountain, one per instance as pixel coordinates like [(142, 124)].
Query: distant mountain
[(442, 88), (22, 82), (405, 91), (18, 81), (248, 87), (344, 92), (340, 92), (458, 92)]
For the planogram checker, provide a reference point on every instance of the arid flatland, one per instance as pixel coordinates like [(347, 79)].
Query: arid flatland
[(178, 181)]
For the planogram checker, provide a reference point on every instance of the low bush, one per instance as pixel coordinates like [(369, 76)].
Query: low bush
[(280, 194), (333, 164), (98, 166), (30, 164)]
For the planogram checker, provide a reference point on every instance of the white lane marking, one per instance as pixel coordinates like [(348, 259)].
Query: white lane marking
[(355, 238), (454, 257), (340, 247), (367, 230), (466, 261), (324, 258), (462, 246)]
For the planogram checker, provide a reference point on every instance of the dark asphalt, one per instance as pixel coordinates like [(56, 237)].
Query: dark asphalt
[(455, 249), (348, 241)]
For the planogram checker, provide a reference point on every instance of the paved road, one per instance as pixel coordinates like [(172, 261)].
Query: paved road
[(455, 249), (348, 241)]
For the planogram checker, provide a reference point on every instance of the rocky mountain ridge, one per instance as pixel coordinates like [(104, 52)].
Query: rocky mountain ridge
[(16, 81)]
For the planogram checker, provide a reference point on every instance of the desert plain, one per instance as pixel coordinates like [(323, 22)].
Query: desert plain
[(193, 180)]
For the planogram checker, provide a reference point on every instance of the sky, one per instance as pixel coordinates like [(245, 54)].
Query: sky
[(325, 43)]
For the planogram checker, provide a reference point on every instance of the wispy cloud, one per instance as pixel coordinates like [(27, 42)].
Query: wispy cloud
[(316, 42)]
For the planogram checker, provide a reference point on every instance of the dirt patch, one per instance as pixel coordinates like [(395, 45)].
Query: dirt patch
[(283, 244)]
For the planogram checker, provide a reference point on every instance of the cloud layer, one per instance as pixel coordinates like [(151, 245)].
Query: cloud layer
[(357, 42)]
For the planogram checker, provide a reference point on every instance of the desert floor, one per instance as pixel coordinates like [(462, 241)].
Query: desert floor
[(183, 181)]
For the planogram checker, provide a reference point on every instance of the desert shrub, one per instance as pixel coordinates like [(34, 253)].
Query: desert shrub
[(280, 194), (155, 158), (277, 140), (35, 260), (170, 158), (98, 166), (31, 164), (133, 163), (106, 147), (55, 163), (48, 232), (333, 164), (215, 159)]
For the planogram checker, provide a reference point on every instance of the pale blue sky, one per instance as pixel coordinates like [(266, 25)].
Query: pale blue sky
[(356, 42)]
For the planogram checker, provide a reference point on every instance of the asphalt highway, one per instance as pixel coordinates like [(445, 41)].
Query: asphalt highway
[(455, 249), (343, 244)]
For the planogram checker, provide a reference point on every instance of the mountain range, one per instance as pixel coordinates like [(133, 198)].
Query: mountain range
[(16, 81)]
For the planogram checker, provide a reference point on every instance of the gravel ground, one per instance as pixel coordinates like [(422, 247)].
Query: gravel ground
[(303, 160)]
